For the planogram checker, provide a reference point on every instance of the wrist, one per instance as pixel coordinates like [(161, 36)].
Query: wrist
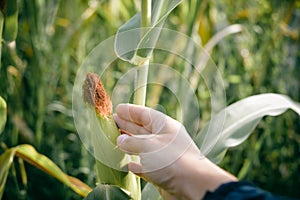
[(200, 175)]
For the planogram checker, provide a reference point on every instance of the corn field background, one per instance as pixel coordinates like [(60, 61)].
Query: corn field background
[(54, 37)]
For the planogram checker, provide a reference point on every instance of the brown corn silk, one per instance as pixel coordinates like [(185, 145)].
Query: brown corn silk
[(95, 95)]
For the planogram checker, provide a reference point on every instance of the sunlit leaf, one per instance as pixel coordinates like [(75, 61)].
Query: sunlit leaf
[(107, 192), (229, 30), (29, 154), (211, 43), (241, 118), (2, 114), (205, 29), (6, 160), (131, 41)]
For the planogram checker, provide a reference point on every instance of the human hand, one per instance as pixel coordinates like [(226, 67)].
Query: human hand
[(168, 156)]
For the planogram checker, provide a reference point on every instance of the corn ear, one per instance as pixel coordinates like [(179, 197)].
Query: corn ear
[(104, 141)]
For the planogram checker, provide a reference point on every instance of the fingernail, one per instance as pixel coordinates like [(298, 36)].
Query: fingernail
[(121, 138)]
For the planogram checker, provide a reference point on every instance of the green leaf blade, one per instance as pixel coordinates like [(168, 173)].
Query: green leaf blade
[(134, 43), (6, 160), (30, 155), (3, 114), (240, 120)]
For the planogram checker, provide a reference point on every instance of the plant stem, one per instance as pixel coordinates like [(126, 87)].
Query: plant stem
[(146, 13), (142, 72), (141, 84)]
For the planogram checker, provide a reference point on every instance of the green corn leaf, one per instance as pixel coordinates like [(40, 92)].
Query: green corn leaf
[(3, 114), (10, 29), (238, 120), (131, 41), (6, 160), (107, 192), (30, 155), (1, 31)]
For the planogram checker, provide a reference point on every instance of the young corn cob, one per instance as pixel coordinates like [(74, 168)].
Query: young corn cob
[(104, 141)]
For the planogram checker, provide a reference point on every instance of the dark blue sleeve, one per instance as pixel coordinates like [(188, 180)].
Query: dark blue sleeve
[(240, 191)]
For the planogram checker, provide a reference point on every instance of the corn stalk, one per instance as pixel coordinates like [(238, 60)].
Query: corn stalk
[(142, 73)]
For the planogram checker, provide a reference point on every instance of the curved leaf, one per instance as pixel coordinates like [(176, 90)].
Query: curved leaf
[(241, 118), (203, 58), (29, 154), (232, 29), (107, 192), (134, 44), (6, 160), (2, 114)]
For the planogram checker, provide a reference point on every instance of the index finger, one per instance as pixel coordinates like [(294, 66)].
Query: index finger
[(140, 115)]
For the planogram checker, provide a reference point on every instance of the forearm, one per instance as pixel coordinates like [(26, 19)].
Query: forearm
[(204, 176), (195, 175)]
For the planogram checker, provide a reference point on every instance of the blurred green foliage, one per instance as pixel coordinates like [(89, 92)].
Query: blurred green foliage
[(54, 37)]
